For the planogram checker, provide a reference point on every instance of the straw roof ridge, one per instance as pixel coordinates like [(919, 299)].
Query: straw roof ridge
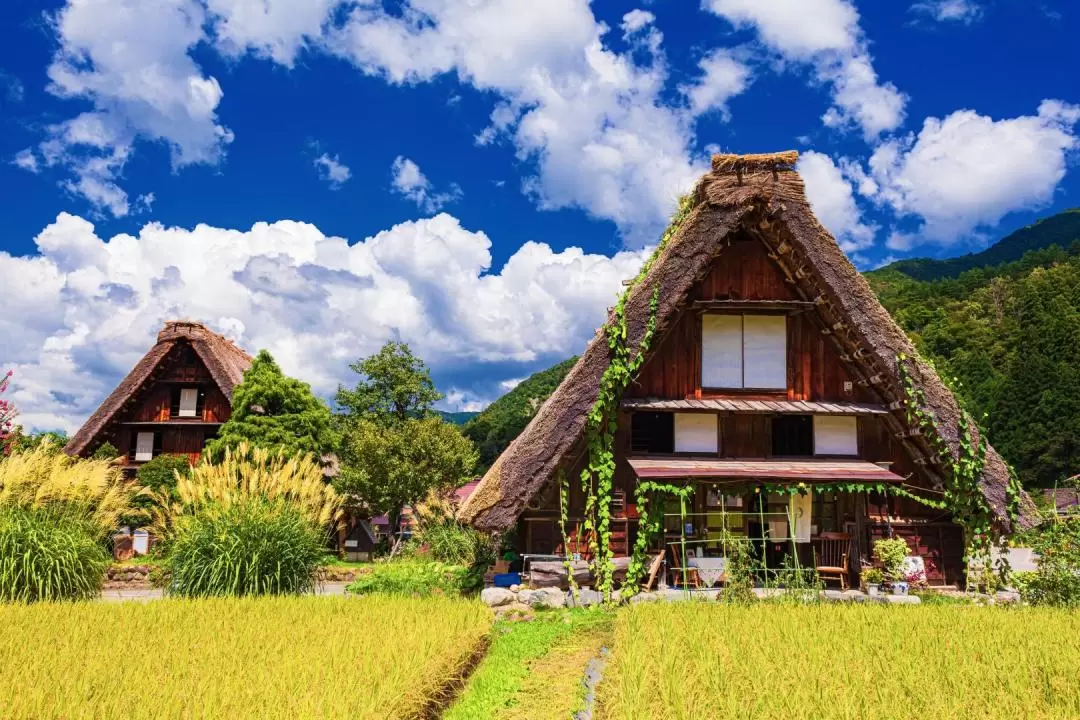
[(764, 196), (223, 359)]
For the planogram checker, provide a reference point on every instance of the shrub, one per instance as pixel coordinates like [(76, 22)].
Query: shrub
[(451, 542), (253, 547), (160, 474), (105, 451), (891, 554), (255, 523), (1057, 580), (417, 578), (48, 555)]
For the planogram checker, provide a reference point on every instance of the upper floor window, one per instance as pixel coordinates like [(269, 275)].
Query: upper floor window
[(186, 403), (744, 351)]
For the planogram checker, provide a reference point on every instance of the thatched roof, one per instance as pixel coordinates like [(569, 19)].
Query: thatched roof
[(761, 195), (225, 361)]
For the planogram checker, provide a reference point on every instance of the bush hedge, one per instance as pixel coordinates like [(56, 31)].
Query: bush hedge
[(49, 555), (418, 578)]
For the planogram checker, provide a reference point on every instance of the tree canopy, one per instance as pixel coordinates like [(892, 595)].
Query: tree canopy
[(1008, 339), (273, 411), (394, 385)]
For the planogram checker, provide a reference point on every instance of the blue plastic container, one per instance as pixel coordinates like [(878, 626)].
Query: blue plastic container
[(505, 580)]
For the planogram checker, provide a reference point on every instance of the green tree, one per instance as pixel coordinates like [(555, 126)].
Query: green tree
[(386, 466), (394, 385), (273, 411), (24, 443), (394, 448)]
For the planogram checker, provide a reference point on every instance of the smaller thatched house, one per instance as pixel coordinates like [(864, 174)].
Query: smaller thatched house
[(776, 387), (172, 402)]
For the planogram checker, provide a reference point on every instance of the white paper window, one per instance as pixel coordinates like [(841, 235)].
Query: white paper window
[(696, 433), (836, 435), (144, 447), (744, 351), (721, 351), (189, 402)]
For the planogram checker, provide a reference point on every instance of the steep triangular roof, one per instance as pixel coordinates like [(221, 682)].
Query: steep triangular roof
[(761, 195), (224, 360)]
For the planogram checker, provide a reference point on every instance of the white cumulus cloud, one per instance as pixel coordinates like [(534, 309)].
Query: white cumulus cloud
[(83, 309), (332, 170), (833, 202), (825, 34), (967, 171), (962, 11)]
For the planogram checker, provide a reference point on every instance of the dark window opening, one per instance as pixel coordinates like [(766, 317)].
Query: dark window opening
[(793, 435), (652, 433)]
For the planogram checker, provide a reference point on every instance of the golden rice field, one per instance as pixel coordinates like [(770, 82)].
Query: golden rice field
[(299, 657), (696, 660)]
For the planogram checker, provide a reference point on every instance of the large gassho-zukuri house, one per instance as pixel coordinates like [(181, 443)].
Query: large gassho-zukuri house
[(172, 402), (775, 385)]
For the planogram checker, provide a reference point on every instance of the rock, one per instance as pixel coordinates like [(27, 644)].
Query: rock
[(1007, 596), (497, 597), (586, 597), (543, 597), (644, 597), (517, 588), (901, 599)]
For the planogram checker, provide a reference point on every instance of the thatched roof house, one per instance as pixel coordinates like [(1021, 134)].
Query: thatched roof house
[(189, 365), (758, 197)]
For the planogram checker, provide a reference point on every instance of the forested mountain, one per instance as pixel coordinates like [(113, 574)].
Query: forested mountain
[(457, 418), (1061, 230), (1009, 339), (502, 421)]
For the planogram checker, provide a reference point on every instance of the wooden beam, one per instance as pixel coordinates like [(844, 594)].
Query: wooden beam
[(788, 306)]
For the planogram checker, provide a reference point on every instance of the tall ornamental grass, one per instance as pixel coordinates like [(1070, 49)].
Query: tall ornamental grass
[(283, 658), (55, 514), (698, 660), (254, 524)]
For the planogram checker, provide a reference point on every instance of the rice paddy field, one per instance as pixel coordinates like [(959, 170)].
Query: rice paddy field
[(697, 660), (300, 657)]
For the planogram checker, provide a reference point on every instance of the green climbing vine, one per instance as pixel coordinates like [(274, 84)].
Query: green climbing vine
[(963, 495), (601, 423), (649, 524), (564, 505)]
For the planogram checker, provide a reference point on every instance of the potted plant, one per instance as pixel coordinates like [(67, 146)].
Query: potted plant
[(871, 580), (891, 554)]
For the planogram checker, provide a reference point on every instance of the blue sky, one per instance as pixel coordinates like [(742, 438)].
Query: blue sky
[(474, 178)]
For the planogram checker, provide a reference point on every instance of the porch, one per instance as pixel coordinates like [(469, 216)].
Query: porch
[(790, 517)]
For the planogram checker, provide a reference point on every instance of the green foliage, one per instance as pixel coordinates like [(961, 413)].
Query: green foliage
[(872, 576), (448, 541), (502, 421), (394, 385), (738, 570), (891, 554), (48, 554), (105, 451), (415, 577), (256, 546), (276, 412), (1056, 582), (387, 466), (160, 474), (54, 442), (1010, 336)]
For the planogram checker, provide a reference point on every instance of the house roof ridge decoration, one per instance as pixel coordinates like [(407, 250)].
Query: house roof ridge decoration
[(223, 359), (764, 196)]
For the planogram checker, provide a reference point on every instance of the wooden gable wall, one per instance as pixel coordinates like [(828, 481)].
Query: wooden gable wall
[(743, 271)]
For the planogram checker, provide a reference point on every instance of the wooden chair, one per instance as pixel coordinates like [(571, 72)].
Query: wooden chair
[(831, 558), (654, 570), (682, 574)]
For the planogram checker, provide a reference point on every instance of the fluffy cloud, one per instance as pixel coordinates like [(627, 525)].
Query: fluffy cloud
[(826, 35), (963, 11), (274, 29), (723, 76), (408, 181), (968, 171), (593, 120), (833, 201), (80, 312), (332, 170), (129, 59)]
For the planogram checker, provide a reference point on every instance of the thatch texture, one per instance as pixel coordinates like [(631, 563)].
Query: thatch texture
[(762, 195), (225, 361)]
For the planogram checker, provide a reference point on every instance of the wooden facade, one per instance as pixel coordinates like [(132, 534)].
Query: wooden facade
[(744, 279), (174, 400)]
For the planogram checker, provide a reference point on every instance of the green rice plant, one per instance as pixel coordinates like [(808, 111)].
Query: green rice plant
[(253, 547), (842, 662), (48, 555), (274, 658)]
